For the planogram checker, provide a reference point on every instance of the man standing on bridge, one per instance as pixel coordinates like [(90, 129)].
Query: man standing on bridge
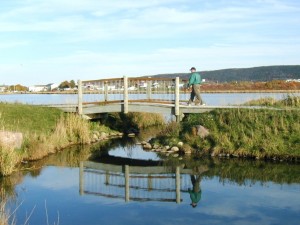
[(194, 82)]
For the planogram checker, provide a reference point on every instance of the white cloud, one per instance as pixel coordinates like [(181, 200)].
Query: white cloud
[(137, 37)]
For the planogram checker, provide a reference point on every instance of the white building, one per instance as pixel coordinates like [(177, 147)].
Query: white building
[(52, 86), (37, 88), (3, 88)]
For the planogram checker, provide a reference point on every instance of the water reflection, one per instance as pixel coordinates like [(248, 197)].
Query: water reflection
[(226, 191), (140, 183)]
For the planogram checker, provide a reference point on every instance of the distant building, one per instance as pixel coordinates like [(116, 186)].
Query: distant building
[(52, 86), (37, 88), (3, 88), (293, 80)]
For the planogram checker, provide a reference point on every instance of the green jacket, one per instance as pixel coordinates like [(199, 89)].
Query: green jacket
[(195, 78), (195, 196)]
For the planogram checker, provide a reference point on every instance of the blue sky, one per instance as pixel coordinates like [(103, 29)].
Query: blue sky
[(55, 40)]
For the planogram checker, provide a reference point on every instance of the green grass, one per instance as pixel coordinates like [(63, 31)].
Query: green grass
[(254, 133), (45, 131), (28, 118), (290, 101), (246, 132)]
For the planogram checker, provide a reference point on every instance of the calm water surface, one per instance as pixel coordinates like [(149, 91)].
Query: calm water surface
[(232, 191), (210, 99)]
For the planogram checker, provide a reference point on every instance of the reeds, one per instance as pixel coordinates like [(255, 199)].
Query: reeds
[(9, 157), (70, 129)]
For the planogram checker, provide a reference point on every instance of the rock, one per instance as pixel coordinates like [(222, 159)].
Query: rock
[(175, 149), (188, 152), (96, 133), (202, 131), (167, 147), (131, 135), (180, 144), (187, 149), (147, 146), (103, 135), (155, 146), (175, 155), (95, 137), (11, 139)]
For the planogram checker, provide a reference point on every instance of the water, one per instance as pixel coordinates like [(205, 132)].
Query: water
[(232, 191), (210, 99)]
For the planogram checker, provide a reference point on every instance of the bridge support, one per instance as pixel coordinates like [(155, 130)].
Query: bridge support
[(127, 182), (177, 98), (178, 185), (79, 109), (125, 109), (81, 178)]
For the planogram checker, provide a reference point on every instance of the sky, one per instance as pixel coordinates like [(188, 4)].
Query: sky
[(52, 41)]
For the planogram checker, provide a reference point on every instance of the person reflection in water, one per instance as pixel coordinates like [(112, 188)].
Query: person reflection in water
[(195, 193)]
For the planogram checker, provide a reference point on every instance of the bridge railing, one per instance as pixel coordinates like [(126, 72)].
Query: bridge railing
[(127, 90)]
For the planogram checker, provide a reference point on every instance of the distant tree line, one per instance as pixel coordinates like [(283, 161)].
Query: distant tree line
[(263, 73)]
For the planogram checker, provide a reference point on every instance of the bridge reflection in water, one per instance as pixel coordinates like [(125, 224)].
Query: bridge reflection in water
[(135, 183)]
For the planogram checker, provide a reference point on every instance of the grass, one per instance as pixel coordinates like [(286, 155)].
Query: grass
[(133, 121), (290, 101), (28, 118), (251, 133), (45, 131), (254, 133)]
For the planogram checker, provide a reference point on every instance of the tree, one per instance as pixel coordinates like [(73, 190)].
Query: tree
[(64, 84), (72, 84)]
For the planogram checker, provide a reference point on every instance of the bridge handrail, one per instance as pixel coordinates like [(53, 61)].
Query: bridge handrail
[(133, 78), (131, 87)]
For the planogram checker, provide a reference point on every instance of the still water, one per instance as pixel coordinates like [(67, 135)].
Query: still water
[(210, 99), (226, 191)]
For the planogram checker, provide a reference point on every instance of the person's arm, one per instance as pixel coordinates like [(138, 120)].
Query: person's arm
[(192, 79)]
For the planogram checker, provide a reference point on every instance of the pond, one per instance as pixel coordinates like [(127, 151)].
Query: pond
[(93, 185)]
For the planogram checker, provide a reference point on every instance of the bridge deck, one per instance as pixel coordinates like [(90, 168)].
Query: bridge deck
[(94, 109)]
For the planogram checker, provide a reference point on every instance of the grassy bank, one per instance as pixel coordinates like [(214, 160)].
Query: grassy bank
[(254, 133), (45, 131)]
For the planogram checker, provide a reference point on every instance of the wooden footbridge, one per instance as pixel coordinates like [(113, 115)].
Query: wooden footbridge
[(143, 94)]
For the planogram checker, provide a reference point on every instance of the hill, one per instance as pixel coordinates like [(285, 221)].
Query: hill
[(263, 73)]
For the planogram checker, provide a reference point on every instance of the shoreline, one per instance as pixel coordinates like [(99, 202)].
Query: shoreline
[(182, 92)]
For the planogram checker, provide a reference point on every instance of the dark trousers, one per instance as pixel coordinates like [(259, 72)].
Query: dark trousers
[(196, 93)]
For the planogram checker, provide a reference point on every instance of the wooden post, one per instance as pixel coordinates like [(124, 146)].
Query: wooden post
[(149, 182), (127, 182), (177, 96), (81, 179), (80, 97), (105, 91), (177, 184), (107, 175), (125, 95), (149, 84)]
